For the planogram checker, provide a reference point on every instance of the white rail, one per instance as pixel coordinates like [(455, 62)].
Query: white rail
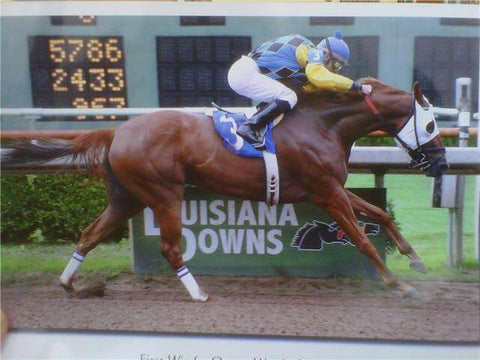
[(39, 112)]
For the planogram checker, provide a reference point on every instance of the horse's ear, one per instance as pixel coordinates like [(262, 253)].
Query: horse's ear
[(418, 94)]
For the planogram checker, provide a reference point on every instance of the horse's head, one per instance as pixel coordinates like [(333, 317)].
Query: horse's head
[(419, 136), (416, 132)]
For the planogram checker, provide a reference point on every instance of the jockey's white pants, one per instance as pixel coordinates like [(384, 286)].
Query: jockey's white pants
[(245, 78)]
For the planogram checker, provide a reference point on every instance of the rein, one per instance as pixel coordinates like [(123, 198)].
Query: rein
[(418, 155), (389, 128)]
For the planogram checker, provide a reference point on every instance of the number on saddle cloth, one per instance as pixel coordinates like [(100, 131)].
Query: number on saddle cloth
[(226, 125)]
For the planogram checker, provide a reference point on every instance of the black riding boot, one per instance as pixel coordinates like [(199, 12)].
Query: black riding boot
[(253, 129)]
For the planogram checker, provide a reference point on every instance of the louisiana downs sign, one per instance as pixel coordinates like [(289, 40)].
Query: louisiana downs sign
[(239, 237)]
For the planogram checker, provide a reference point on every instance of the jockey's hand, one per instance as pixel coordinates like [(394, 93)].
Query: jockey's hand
[(363, 89), (366, 89)]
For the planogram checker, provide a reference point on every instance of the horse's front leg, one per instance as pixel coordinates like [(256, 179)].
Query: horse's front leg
[(334, 199), (364, 208)]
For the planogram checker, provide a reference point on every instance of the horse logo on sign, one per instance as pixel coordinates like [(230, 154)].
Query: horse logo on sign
[(312, 236)]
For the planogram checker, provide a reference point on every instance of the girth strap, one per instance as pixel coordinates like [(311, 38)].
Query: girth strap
[(273, 179)]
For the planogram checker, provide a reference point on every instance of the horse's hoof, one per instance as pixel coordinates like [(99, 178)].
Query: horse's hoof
[(412, 294), (418, 266), (69, 289), (201, 297)]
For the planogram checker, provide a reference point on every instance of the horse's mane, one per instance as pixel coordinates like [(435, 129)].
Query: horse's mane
[(341, 97)]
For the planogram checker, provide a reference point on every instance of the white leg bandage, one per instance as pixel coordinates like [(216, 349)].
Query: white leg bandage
[(71, 268), (189, 281)]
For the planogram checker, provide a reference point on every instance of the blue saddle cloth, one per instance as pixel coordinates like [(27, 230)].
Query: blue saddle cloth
[(226, 125)]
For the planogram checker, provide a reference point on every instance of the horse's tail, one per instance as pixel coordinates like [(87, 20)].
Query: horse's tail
[(89, 149)]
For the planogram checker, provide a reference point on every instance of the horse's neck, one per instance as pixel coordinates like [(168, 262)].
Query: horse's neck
[(346, 123), (354, 127), (351, 120)]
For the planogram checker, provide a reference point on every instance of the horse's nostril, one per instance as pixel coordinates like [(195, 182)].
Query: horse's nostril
[(443, 168), (438, 169)]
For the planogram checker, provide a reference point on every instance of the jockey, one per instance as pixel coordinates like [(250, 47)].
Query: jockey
[(288, 57)]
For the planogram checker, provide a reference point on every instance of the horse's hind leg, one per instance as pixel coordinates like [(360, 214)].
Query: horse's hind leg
[(168, 215), (165, 199), (362, 207), (92, 235), (335, 200), (123, 205)]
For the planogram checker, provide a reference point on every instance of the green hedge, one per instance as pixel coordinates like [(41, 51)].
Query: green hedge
[(45, 208), (372, 141)]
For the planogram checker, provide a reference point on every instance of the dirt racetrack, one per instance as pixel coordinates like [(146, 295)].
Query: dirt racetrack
[(255, 306)]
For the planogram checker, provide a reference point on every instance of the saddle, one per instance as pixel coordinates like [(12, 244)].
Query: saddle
[(226, 124)]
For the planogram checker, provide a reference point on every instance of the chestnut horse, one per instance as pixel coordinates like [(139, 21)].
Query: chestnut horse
[(147, 161)]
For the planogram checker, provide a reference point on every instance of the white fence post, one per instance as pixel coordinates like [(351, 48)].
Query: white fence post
[(476, 223), (463, 87)]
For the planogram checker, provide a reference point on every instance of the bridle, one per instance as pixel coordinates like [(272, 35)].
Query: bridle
[(419, 154)]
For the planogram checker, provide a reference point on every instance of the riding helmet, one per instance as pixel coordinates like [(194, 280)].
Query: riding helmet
[(339, 48)]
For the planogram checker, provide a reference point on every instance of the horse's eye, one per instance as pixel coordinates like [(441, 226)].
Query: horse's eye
[(430, 127)]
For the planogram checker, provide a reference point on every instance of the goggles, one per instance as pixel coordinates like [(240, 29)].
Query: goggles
[(337, 64)]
